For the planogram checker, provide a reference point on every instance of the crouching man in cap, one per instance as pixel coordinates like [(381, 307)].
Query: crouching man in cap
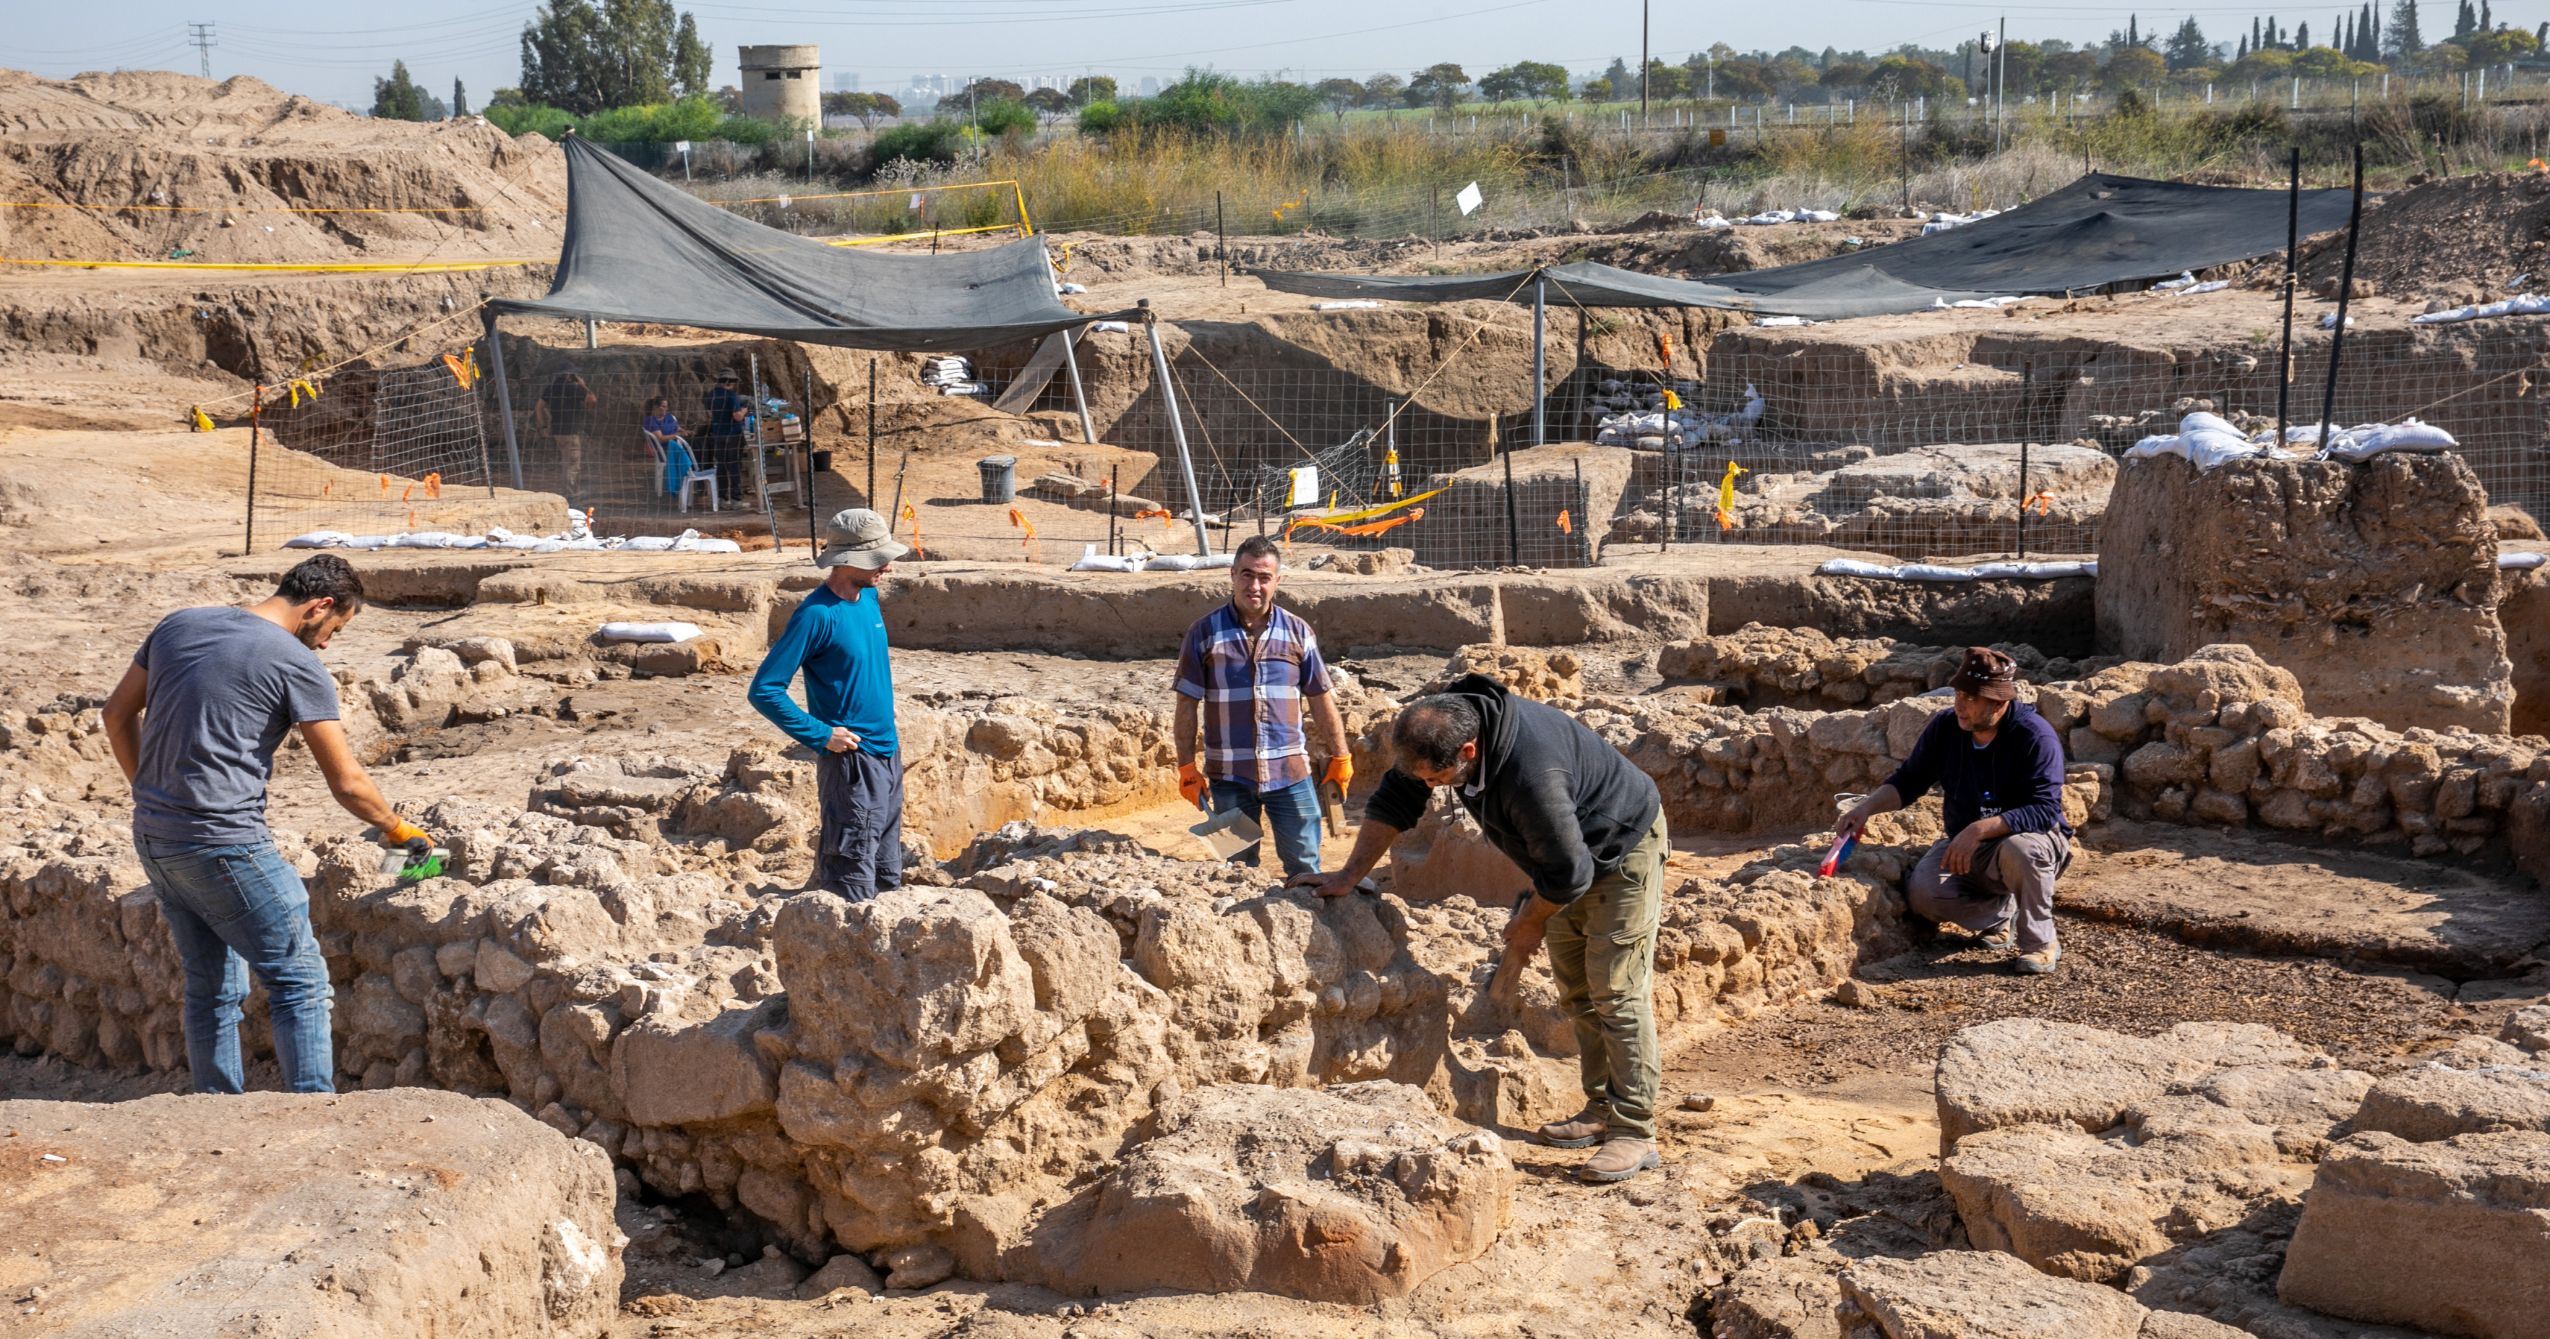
[(1999, 769), (837, 637), (1588, 828)]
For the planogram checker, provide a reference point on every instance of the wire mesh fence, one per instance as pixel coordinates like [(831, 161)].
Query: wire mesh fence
[(1964, 441)]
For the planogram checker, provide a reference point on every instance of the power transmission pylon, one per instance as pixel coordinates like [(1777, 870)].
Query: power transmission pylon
[(201, 34)]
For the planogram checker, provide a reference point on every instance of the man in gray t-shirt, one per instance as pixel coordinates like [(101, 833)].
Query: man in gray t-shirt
[(194, 725)]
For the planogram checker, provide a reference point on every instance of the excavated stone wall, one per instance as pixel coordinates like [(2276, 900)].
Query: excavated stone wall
[(2374, 584), (1761, 666), (913, 1077)]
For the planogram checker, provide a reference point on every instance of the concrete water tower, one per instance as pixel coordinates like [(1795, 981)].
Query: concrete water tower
[(783, 83)]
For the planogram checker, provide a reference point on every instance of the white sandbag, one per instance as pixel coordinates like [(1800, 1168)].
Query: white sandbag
[(1817, 216), (1067, 290), (1186, 562), (1347, 305), (318, 539), (2520, 562), (644, 544), (1996, 571), (2329, 321), (1780, 322), (649, 632), (1111, 327), (1712, 221), (1091, 560), (2372, 439), (436, 539), (367, 542), (1770, 216), (1853, 567), (2186, 279), (2522, 304), (2210, 286)]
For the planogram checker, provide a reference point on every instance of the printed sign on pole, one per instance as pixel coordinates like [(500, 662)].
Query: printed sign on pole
[(1469, 198)]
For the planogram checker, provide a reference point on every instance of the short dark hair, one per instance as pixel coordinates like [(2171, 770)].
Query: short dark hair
[(323, 577), (1431, 730), (1258, 546)]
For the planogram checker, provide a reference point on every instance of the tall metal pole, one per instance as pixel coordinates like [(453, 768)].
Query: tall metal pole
[(761, 460), (1221, 240), (504, 396), (1643, 58), (1079, 397), (1540, 361), (2346, 285), (1177, 428), (870, 497), (256, 413), (2000, 81), (2023, 499), (2292, 244)]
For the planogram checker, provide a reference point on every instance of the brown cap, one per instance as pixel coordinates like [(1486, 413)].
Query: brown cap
[(1987, 673)]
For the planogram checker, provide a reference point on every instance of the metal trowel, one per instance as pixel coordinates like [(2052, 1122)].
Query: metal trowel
[(1228, 833)]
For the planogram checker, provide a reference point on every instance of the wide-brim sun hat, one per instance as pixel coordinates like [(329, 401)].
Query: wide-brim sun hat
[(858, 537)]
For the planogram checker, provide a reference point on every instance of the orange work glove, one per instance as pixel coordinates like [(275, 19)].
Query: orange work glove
[(400, 832), (1191, 783), (1340, 773)]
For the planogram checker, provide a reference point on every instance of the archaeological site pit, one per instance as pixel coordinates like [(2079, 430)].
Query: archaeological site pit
[(1735, 498)]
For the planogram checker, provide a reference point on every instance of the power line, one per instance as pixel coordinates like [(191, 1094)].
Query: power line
[(201, 34)]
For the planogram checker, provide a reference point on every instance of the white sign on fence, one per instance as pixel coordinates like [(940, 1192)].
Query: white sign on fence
[(1305, 486), (1469, 198)]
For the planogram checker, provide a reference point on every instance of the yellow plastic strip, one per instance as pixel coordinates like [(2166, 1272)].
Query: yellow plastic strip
[(1339, 518), (918, 236), (406, 267)]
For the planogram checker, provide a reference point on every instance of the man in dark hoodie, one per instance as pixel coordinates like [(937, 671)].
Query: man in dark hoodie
[(1999, 769), (1588, 829)]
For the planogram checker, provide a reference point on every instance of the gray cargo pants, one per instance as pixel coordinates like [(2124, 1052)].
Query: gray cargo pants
[(2020, 868), (859, 849)]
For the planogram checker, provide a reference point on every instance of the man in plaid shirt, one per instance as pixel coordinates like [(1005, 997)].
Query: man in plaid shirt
[(1255, 670)]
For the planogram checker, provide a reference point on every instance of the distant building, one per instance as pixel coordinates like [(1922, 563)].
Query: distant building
[(845, 81), (1150, 85), (783, 83)]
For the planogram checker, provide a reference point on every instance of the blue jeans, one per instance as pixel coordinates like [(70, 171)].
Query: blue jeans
[(234, 910), (1291, 813)]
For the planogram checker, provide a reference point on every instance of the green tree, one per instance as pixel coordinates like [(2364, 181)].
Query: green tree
[(2465, 21), (1899, 76), (1598, 90), (2187, 47), (587, 55), (868, 107), (397, 98), (1620, 79), (1667, 81), (1091, 88), (2501, 45), (968, 100), (1844, 75), (1339, 96), (1499, 86), (1439, 84), (2403, 38), (460, 99), (1381, 90), (694, 67), (1049, 103), (1100, 117), (2134, 67)]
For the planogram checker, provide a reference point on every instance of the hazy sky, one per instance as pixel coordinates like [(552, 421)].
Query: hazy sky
[(332, 50)]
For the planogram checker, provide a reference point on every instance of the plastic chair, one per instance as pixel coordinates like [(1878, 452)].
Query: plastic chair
[(696, 478)]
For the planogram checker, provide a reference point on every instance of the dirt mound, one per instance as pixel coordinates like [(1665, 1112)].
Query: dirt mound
[(155, 166), (2461, 239)]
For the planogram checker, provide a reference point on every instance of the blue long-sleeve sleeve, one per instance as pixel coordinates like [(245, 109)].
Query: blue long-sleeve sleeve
[(2040, 757), (769, 693)]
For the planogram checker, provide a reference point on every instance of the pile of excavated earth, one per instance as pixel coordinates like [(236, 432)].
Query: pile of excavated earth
[(613, 1073)]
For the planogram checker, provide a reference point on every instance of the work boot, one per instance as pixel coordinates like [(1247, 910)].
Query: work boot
[(2038, 962), (2006, 935), (1619, 1159), (1578, 1131)]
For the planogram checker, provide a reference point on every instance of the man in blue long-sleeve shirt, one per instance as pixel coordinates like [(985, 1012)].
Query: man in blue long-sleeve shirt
[(838, 638), (1999, 769)]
